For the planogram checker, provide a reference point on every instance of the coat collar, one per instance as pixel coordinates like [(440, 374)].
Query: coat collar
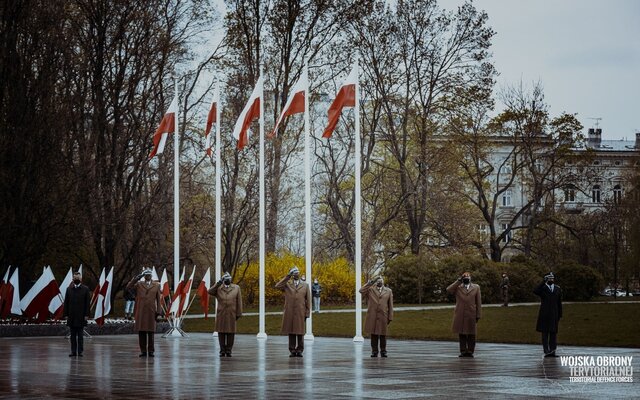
[(472, 287), (301, 284)]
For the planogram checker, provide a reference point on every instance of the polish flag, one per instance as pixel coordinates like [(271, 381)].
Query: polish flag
[(154, 274), (56, 307), (346, 97), (80, 269), (211, 119), (295, 102), (35, 303), (11, 295), (103, 305), (96, 291), (250, 113), (3, 286), (202, 291), (167, 126), (174, 307), (164, 284), (186, 293)]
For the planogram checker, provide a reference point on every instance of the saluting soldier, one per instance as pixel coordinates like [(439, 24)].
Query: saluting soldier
[(227, 313), (467, 312), (379, 314), (297, 307), (148, 309), (549, 314)]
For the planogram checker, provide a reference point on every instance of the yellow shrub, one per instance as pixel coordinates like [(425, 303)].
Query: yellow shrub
[(336, 278)]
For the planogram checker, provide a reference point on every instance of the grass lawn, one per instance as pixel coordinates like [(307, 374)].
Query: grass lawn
[(584, 324)]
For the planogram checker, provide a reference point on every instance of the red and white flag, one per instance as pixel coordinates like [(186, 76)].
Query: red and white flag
[(103, 305), (96, 291), (154, 274), (250, 113), (175, 299), (211, 119), (35, 304), (164, 284), (56, 307), (295, 102), (11, 295), (80, 269), (167, 126), (203, 292), (346, 97), (186, 293), (3, 284)]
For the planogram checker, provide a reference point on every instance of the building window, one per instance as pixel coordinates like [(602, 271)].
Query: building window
[(506, 170), (509, 235), (538, 165), (617, 194), (595, 194), (569, 194), (483, 229), (596, 162), (506, 198), (618, 163)]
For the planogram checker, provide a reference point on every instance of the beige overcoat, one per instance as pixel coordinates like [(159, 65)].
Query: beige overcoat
[(379, 309), (297, 306), (148, 304), (229, 306), (468, 307)]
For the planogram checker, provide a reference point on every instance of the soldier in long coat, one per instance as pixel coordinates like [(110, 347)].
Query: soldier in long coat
[(297, 307), (549, 314), (148, 308), (467, 312), (77, 301), (379, 314), (227, 313)]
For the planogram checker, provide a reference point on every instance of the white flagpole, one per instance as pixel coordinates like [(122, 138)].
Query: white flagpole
[(218, 271), (176, 193), (358, 261), (307, 195), (261, 330)]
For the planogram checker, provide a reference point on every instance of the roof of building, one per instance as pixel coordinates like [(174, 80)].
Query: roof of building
[(612, 145)]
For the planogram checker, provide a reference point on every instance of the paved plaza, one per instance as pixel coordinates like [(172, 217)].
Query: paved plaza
[(331, 368)]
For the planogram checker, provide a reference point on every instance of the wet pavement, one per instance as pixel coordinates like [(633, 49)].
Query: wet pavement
[(331, 368)]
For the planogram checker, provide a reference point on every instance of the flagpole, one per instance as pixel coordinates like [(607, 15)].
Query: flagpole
[(358, 261), (176, 331), (307, 195), (176, 192), (218, 255), (261, 330)]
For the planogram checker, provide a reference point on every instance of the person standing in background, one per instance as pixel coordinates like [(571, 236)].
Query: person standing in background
[(315, 292), (504, 287), (129, 302)]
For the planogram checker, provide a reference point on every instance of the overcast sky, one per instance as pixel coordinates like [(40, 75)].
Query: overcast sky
[(586, 53)]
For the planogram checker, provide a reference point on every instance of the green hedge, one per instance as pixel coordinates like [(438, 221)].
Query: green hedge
[(578, 282), (419, 279)]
